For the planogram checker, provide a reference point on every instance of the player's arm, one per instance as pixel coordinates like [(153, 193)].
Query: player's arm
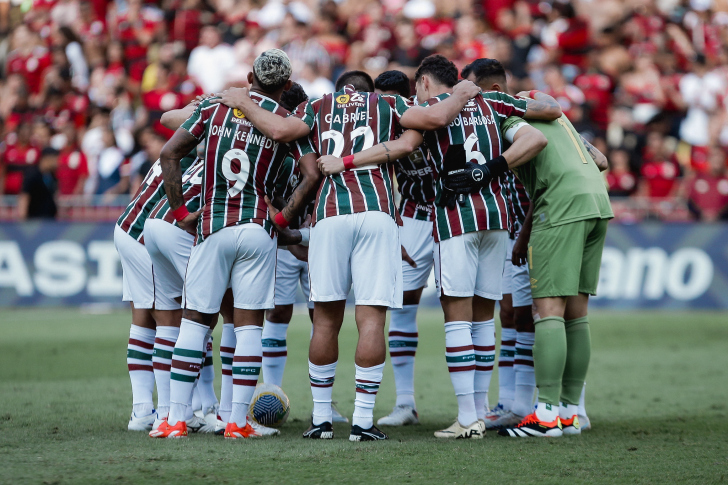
[(599, 158), (429, 118), (520, 247), (540, 106), (527, 143), (305, 190), (381, 153), (181, 143), (173, 119), (273, 126)]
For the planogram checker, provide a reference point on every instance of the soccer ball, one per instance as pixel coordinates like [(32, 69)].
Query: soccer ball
[(269, 406)]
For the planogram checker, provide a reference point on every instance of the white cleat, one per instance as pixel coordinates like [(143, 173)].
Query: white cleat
[(261, 430), (144, 423), (195, 424), (400, 416), (210, 420), (493, 414), (584, 422), (220, 426), (506, 420), (336, 415), (458, 431)]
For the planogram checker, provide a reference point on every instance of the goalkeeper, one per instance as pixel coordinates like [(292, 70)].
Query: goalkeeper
[(568, 220)]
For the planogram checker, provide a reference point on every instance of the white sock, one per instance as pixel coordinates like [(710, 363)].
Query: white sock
[(506, 374), (525, 377), (246, 369), (227, 351), (322, 387), (275, 352), (547, 412), (139, 352), (164, 343), (460, 358), (582, 402), (206, 384), (566, 411), (368, 380), (402, 347), (484, 344), (195, 401), (187, 361)]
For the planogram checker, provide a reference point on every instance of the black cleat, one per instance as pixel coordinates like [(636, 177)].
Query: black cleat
[(371, 434), (323, 431)]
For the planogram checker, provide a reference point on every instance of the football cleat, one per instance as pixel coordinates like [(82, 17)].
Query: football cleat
[(210, 420), (233, 431), (337, 416), (473, 431), (584, 422), (494, 414), (195, 424), (371, 434), (507, 420), (145, 423), (532, 426), (259, 430), (164, 430), (220, 426), (570, 426), (400, 416), (323, 431)]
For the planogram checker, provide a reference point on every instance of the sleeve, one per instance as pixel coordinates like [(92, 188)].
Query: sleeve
[(302, 146), (504, 104), (397, 104), (510, 127), (306, 113), (197, 123)]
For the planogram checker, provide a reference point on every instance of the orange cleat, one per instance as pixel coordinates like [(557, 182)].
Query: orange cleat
[(164, 430), (233, 431)]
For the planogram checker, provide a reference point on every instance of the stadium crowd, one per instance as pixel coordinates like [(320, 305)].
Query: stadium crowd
[(84, 83)]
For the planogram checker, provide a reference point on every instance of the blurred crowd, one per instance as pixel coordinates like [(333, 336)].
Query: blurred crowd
[(84, 83)]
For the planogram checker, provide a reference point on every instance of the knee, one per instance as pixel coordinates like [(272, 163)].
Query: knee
[(280, 314)]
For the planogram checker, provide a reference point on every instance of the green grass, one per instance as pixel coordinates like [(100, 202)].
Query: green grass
[(656, 398)]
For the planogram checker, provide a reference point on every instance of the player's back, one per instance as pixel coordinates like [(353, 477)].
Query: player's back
[(241, 165)]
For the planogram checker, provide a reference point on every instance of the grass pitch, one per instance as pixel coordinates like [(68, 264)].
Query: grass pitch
[(656, 397)]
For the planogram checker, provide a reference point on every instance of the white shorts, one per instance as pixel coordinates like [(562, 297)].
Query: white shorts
[(471, 264), (289, 272), (169, 248), (137, 282), (242, 257), (360, 250), (416, 237), (516, 280)]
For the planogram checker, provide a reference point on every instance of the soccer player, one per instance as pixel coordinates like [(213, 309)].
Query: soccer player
[(570, 214), (236, 243), (355, 240)]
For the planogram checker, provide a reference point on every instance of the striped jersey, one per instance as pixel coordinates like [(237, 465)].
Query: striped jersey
[(241, 165), (345, 123), (191, 192), (149, 193), (518, 202), (288, 179), (416, 183), (477, 127)]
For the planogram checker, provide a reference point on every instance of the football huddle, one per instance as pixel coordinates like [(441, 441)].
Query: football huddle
[(261, 190)]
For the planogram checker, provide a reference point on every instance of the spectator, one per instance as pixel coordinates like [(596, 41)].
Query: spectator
[(660, 169), (211, 61), (314, 84), (72, 165), (18, 156), (708, 192), (37, 199), (621, 180), (566, 94), (113, 175)]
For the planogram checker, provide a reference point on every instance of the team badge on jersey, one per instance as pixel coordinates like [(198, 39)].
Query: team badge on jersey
[(238, 113)]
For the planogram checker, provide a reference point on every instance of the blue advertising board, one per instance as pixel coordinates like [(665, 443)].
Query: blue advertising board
[(649, 265)]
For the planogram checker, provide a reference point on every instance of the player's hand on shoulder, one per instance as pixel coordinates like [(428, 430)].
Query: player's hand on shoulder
[(189, 223), (235, 97), (329, 165), (467, 89)]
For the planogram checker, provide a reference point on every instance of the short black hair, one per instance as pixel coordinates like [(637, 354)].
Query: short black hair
[(485, 70), (396, 81), (359, 79), (291, 98), (440, 68)]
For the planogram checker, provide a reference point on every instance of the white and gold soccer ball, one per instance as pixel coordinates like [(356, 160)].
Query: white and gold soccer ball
[(269, 406)]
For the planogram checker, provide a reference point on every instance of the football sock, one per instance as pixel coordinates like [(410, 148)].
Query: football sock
[(524, 376), (582, 401), (246, 369), (549, 358), (566, 411), (484, 344), (368, 380), (206, 385), (187, 361), (139, 361), (402, 347), (275, 352), (322, 387), (460, 357), (162, 361), (195, 401), (578, 354), (227, 351), (506, 373), (547, 412)]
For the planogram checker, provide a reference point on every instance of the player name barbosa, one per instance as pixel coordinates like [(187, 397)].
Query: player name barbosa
[(473, 120), (243, 136)]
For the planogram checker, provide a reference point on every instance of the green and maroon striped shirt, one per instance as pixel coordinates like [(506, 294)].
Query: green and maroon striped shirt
[(191, 192), (478, 128), (518, 202), (416, 176), (345, 123)]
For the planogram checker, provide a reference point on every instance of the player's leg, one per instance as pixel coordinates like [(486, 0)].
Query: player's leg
[(138, 289), (492, 248), (416, 238), (506, 375), (456, 262), (253, 283), (227, 353)]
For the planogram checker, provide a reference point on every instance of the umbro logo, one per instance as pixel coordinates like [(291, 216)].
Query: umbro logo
[(477, 175)]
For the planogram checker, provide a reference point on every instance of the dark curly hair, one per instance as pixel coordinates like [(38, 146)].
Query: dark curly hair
[(439, 68)]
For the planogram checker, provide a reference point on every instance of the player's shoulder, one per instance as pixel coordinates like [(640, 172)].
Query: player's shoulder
[(435, 99), (269, 104)]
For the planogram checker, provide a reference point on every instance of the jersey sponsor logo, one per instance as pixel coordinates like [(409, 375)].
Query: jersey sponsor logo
[(238, 113), (354, 99), (471, 106), (421, 172)]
